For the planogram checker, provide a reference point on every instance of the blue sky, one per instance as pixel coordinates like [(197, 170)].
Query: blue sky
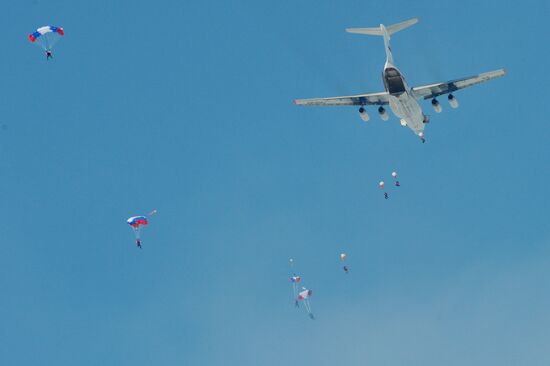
[(185, 107)]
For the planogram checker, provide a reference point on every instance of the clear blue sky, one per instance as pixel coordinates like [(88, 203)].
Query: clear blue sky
[(185, 107)]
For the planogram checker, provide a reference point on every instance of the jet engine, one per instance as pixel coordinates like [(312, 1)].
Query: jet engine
[(436, 105), (452, 101), (383, 114), (363, 114)]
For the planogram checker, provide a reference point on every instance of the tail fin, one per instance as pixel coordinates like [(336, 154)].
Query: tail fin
[(384, 32)]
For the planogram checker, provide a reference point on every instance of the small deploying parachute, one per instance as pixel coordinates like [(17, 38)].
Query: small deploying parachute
[(46, 37), (136, 222), (304, 296)]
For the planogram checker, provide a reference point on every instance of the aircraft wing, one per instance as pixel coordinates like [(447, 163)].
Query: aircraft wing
[(360, 99), (434, 90)]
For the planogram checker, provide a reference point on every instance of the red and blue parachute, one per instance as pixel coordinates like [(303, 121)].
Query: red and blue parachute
[(46, 36)]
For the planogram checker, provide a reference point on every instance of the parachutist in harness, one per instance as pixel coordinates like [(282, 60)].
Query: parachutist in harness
[(138, 243), (49, 54)]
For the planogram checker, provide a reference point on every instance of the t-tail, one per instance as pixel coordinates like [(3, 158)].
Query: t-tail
[(385, 32)]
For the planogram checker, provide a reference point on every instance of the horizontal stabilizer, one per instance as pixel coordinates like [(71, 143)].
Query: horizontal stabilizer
[(377, 31)]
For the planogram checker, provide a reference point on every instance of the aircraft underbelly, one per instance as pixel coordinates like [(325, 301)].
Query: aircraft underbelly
[(405, 107)]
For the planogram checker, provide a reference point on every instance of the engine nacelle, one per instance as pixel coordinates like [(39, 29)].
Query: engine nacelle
[(363, 114), (452, 101), (383, 114), (436, 105)]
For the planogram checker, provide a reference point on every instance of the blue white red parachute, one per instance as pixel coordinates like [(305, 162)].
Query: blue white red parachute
[(46, 36)]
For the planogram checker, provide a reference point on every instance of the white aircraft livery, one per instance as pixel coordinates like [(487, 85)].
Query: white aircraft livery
[(402, 99)]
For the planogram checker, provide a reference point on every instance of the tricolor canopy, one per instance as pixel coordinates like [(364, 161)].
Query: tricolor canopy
[(137, 221), (46, 36)]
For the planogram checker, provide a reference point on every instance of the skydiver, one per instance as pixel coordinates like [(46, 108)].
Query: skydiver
[(386, 195), (48, 55), (421, 135), (138, 243), (296, 304), (397, 184), (346, 269)]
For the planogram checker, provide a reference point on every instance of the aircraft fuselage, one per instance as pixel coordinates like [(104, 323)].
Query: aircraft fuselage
[(401, 100)]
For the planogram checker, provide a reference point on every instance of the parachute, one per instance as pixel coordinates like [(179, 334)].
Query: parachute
[(396, 181), (47, 36), (343, 257), (295, 281), (136, 222), (381, 185), (304, 296)]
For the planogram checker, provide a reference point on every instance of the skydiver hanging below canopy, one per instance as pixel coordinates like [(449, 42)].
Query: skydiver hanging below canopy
[(343, 257), (136, 222), (304, 296), (394, 175), (46, 37), (294, 279), (381, 185)]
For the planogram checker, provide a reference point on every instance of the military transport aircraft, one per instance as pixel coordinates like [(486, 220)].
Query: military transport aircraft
[(402, 99)]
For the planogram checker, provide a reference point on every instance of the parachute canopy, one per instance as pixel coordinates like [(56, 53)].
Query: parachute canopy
[(343, 257), (394, 174), (46, 36), (305, 294), (295, 279), (381, 184), (137, 221)]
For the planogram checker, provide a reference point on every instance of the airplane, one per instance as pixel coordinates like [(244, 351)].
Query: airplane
[(402, 99)]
